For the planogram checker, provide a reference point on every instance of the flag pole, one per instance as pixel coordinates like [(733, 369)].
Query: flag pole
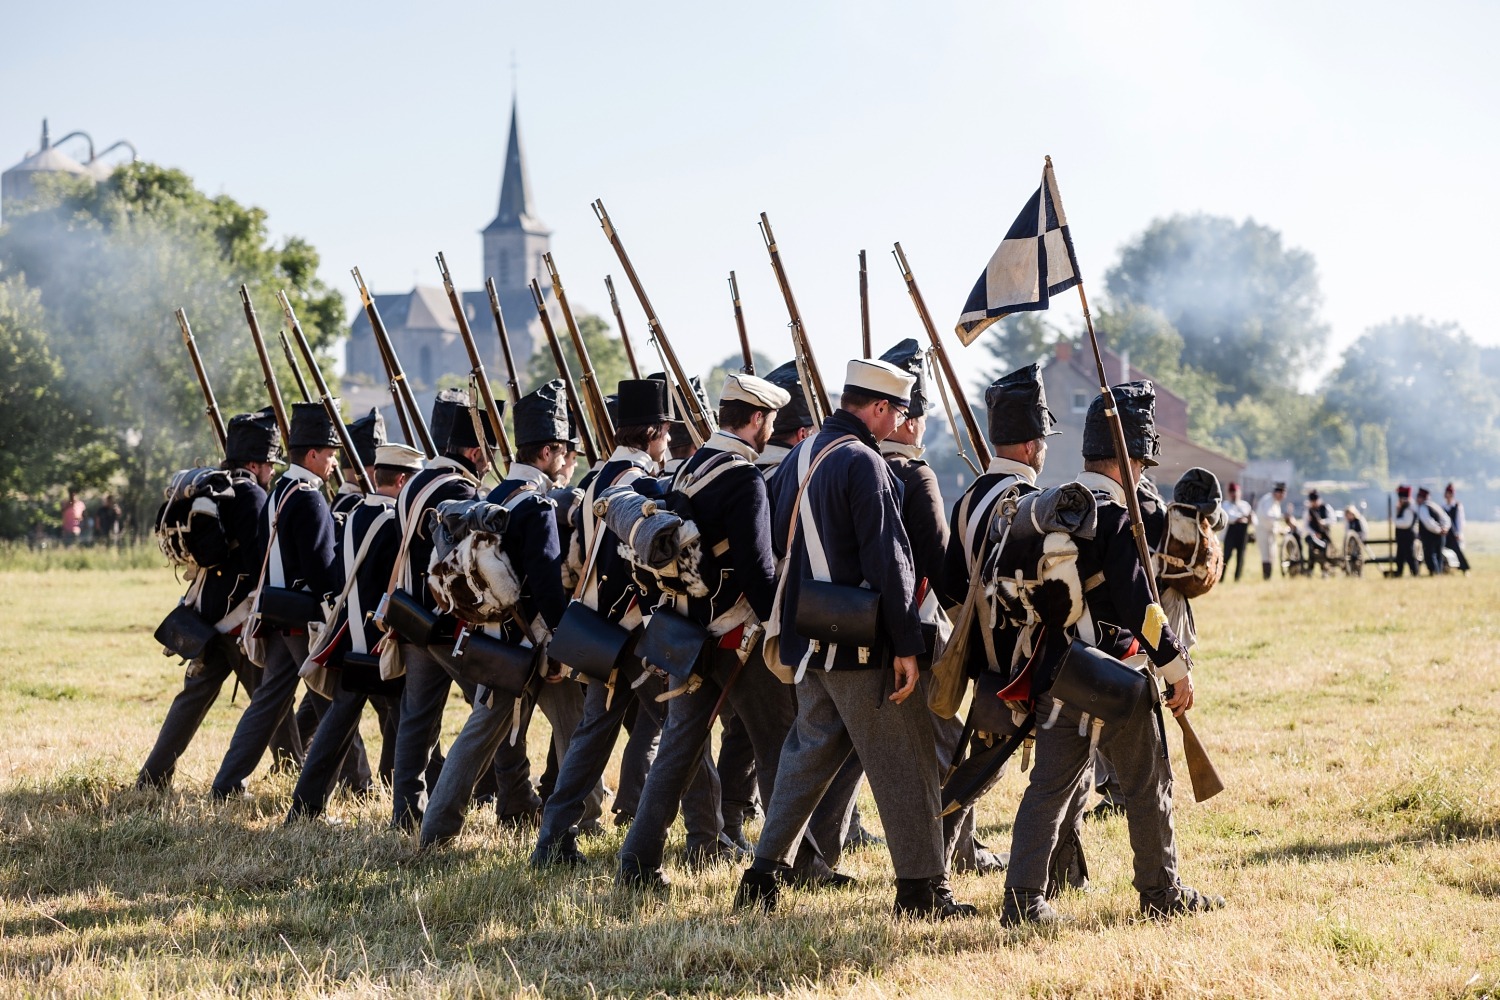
[(1205, 779)]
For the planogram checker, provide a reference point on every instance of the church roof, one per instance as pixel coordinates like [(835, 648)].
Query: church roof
[(516, 210)]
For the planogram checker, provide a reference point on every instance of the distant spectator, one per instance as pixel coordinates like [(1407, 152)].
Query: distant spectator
[(1239, 513), (1454, 508), (1354, 524), (107, 521), (73, 513)]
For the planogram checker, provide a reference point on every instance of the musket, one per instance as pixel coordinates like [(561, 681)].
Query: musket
[(210, 404), (591, 392), (585, 432), (739, 323), (268, 373), (614, 303), (1205, 778), (400, 387), (701, 423), (971, 425), (512, 386), (807, 365), (336, 481), (330, 404), (477, 373), (864, 306)]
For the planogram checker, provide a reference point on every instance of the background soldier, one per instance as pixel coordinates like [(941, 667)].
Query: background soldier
[(643, 442), (1454, 542), (733, 515), (370, 526), (1268, 518), (1019, 424), (842, 701), (296, 539), (1406, 532), (368, 433), (530, 541), (454, 475), (1239, 514), (250, 454), (1137, 746), (1432, 528)]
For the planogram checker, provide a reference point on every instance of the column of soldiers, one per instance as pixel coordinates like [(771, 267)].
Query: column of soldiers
[(849, 503)]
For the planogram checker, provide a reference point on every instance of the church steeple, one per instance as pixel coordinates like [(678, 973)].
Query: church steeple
[(516, 210)]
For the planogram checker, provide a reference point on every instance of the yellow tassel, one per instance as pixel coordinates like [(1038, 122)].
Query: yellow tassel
[(1156, 620)]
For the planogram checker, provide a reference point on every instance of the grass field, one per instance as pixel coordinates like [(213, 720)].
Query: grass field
[(1354, 721)]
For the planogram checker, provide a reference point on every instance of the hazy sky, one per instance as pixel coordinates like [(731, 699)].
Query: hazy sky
[(1363, 133)]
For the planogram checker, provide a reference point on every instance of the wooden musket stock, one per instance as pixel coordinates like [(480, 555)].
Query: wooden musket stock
[(614, 304), (807, 365), (330, 405), (739, 323), (512, 385), (268, 373), (585, 431), (476, 370), (406, 402), (593, 395)]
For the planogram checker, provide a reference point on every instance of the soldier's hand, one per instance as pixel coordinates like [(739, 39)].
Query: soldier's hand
[(1180, 695), (553, 674), (906, 678)]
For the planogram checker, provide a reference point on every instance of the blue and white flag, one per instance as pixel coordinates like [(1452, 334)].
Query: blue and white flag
[(1035, 261)]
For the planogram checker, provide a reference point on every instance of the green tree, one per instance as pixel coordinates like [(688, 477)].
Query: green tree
[(605, 351), (713, 382), (1425, 386), (1017, 340), (1154, 345), (111, 261), (1245, 305)]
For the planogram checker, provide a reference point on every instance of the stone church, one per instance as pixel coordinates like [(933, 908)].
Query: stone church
[(421, 322)]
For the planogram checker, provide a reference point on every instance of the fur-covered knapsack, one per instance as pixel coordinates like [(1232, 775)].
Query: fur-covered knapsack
[(188, 527), (470, 574), (1190, 557)]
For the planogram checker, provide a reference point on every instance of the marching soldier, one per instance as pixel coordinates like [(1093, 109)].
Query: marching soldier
[(453, 475), (794, 421), (733, 515), (849, 521), (296, 538), (642, 443), (531, 543), (368, 542), (927, 527), (368, 434), (250, 455), (1136, 747)]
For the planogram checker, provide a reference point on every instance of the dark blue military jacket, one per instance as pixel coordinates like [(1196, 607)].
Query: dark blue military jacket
[(617, 587), (733, 515), (531, 542), (856, 503), (228, 583), (304, 534), (419, 554), (373, 574)]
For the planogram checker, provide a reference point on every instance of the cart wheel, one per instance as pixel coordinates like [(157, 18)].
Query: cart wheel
[(1291, 556), (1354, 556)]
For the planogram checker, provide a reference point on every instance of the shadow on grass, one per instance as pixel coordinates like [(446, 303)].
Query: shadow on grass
[(1313, 851)]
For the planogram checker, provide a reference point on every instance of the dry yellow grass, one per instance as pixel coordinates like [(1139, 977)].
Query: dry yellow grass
[(1353, 720)]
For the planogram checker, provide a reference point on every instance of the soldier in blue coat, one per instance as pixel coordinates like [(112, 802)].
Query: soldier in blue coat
[(368, 542), (454, 474), (296, 539), (849, 697), (1121, 619), (531, 543), (642, 444), (368, 434), (250, 454)]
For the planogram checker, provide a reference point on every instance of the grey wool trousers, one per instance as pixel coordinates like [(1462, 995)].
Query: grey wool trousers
[(840, 711), (1062, 773), (562, 704), (269, 708), (488, 725)]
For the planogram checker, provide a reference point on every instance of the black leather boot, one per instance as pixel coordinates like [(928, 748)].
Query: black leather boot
[(632, 875), (560, 852), (1178, 902), (1027, 906), (757, 889), (929, 899)]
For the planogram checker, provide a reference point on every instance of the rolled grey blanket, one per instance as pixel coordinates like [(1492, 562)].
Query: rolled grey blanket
[(451, 520), (652, 535), (1069, 507)]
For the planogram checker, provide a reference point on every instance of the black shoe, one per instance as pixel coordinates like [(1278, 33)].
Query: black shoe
[(529, 820), (1183, 900), (561, 852), (1106, 808), (736, 835), (624, 819), (990, 862), (633, 876), (218, 794), (860, 837), (929, 899), (815, 875), (757, 889), (1026, 906), (724, 852)]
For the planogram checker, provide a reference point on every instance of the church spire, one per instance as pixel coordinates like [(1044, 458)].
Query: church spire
[(516, 210)]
